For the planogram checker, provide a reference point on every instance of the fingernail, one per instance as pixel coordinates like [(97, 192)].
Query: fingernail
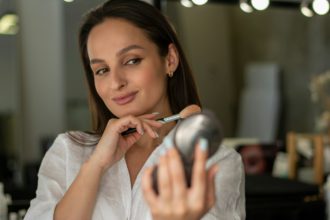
[(155, 113), (203, 144), (141, 131), (168, 142), (216, 169), (156, 134), (163, 151)]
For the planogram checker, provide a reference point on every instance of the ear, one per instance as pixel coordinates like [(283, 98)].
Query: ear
[(172, 59)]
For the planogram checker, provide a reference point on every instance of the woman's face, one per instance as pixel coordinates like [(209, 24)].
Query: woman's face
[(130, 75)]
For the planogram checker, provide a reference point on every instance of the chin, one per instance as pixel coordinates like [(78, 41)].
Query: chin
[(129, 111)]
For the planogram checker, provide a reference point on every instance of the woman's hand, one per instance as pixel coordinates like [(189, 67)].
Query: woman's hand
[(175, 201), (113, 146)]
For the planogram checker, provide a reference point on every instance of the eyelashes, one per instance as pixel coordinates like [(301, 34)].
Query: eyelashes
[(101, 71), (133, 61), (105, 69)]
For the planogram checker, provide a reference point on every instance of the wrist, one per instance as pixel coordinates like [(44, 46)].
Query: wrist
[(96, 164)]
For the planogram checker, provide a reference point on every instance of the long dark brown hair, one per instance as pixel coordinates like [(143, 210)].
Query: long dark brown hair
[(181, 88)]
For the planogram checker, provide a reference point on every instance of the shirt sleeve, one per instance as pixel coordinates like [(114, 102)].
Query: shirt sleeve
[(230, 187), (51, 182)]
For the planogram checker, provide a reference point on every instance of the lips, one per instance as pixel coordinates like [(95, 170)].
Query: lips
[(125, 99)]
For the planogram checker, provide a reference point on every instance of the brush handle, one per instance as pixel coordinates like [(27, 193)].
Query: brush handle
[(170, 118), (162, 120), (128, 131)]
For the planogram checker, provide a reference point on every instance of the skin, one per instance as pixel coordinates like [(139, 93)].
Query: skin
[(128, 63), (130, 77)]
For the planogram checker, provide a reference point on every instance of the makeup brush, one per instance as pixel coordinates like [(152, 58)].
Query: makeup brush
[(187, 111)]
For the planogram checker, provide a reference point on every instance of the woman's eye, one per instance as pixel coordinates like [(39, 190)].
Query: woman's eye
[(101, 71), (134, 61)]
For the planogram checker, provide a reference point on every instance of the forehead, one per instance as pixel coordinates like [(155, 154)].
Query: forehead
[(114, 32)]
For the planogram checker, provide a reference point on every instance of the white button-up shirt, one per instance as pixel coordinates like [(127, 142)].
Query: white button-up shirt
[(116, 198)]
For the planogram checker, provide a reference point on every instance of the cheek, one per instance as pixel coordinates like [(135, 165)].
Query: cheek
[(154, 81), (100, 89)]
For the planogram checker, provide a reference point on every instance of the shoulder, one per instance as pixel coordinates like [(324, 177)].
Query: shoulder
[(231, 168), (227, 155), (64, 147), (75, 139), (62, 143)]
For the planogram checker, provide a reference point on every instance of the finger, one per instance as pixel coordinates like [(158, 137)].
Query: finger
[(199, 170), (148, 191), (211, 190), (130, 122), (136, 123), (153, 115), (153, 123), (164, 181), (132, 139), (151, 132), (176, 171)]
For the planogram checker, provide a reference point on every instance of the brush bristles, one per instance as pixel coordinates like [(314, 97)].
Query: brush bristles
[(190, 110)]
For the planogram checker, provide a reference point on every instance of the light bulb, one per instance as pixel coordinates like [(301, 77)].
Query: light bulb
[(199, 2), (306, 11), (245, 7), (321, 7), (9, 24), (187, 3), (260, 4)]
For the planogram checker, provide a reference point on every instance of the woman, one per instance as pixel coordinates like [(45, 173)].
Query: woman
[(136, 72)]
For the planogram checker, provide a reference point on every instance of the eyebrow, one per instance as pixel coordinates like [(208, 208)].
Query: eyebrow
[(120, 52), (131, 47), (94, 61)]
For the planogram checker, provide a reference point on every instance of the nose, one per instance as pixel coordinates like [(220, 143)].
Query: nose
[(117, 80)]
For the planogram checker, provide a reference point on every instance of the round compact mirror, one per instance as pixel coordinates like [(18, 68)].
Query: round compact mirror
[(190, 130), (186, 136)]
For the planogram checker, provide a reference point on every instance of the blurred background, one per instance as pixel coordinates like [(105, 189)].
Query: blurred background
[(262, 68)]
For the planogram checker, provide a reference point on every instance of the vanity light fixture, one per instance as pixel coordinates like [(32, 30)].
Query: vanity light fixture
[(307, 7), (249, 5), (310, 7)]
